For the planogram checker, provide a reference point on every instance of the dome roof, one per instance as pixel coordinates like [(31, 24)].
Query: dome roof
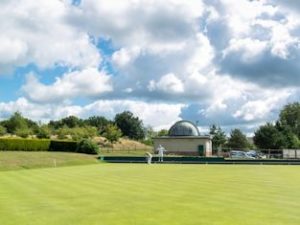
[(184, 128)]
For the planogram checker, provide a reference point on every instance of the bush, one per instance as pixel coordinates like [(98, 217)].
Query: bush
[(2, 130), (14, 144), (63, 146), (23, 132), (43, 132), (87, 146), (18, 144)]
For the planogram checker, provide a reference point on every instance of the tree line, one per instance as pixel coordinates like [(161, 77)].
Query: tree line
[(283, 133), (123, 124)]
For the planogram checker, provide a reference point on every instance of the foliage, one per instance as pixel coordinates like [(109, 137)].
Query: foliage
[(63, 146), (290, 139), (3, 130), (289, 118), (149, 135), (70, 122), (268, 137), (23, 132), (99, 122), (163, 132), (43, 132), (17, 121), (218, 136), (130, 126), (285, 133), (62, 132), (76, 133), (148, 142), (112, 133), (87, 146), (237, 140), (20, 144)]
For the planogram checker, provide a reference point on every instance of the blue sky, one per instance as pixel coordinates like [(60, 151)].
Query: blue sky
[(232, 63)]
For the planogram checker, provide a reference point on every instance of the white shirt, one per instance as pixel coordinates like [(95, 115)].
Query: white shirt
[(161, 150)]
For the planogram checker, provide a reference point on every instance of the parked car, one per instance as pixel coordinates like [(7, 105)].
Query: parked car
[(240, 155), (255, 154)]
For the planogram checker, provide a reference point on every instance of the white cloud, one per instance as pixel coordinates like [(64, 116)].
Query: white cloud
[(168, 83), (158, 115), (139, 21), (86, 83), (248, 48), (260, 109), (125, 56), (37, 32), (212, 61)]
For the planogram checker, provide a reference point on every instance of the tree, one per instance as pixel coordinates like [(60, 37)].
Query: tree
[(15, 122), (43, 132), (289, 118), (163, 132), (99, 122), (23, 132), (218, 136), (130, 126), (62, 132), (268, 137), (149, 135), (18, 122), (289, 138), (87, 146), (237, 140), (112, 133), (70, 121), (2, 130)]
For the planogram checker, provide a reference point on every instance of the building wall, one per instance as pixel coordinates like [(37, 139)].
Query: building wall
[(181, 145)]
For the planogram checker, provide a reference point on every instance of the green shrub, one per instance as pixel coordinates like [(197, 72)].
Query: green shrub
[(87, 146), (14, 144), (19, 144), (43, 132), (23, 132), (62, 132), (63, 146), (3, 130)]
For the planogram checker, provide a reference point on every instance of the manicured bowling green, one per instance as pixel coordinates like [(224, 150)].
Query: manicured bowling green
[(141, 194)]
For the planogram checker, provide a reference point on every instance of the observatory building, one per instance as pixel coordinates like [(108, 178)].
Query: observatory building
[(184, 138)]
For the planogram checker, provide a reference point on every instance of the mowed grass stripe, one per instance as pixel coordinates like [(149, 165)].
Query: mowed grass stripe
[(158, 194)]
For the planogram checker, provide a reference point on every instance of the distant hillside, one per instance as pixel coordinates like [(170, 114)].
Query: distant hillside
[(122, 144)]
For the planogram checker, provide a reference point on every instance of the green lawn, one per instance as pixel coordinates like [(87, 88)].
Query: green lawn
[(140, 194), (10, 160)]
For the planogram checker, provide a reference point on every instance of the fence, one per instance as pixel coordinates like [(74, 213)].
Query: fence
[(263, 153), (291, 153)]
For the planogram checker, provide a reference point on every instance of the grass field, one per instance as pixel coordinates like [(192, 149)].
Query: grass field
[(10, 160), (129, 194)]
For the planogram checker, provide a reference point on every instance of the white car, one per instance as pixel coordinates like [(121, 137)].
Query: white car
[(240, 155)]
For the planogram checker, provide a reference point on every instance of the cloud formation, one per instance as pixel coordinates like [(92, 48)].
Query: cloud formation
[(234, 63), (37, 32), (85, 83)]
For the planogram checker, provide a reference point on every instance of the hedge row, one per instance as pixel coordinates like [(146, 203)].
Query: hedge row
[(14, 144)]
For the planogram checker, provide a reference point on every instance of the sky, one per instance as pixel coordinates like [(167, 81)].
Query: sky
[(225, 62)]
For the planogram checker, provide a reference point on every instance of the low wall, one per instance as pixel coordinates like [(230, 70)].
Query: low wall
[(199, 160)]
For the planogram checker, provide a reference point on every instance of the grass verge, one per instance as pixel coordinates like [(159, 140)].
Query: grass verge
[(11, 160)]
